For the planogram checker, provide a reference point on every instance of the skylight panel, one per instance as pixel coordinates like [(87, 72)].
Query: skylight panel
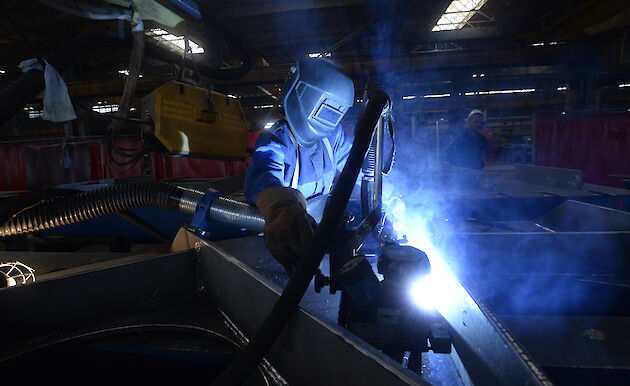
[(457, 14), (173, 42)]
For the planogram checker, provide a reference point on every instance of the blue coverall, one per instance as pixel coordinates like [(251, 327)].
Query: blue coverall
[(274, 163)]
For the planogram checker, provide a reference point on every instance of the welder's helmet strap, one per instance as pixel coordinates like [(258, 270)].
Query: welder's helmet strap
[(317, 96)]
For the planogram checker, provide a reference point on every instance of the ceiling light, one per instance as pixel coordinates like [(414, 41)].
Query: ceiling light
[(492, 92), (3, 72), (409, 97), (624, 85), (437, 96), (173, 42), (268, 125), (457, 14), (319, 55)]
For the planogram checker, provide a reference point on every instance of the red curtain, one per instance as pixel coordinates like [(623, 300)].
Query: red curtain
[(597, 144)]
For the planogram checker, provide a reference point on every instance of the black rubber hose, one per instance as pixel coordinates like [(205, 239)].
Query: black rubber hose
[(95, 203), (288, 302)]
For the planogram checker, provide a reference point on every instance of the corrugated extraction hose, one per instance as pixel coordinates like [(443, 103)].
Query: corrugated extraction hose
[(228, 211), (119, 198)]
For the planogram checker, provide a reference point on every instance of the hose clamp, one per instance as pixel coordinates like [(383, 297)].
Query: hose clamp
[(199, 219)]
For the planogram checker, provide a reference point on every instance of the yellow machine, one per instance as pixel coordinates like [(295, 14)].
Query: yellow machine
[(191, 120)]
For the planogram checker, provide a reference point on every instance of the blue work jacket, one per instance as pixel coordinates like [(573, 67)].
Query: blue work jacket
[(274, 162)]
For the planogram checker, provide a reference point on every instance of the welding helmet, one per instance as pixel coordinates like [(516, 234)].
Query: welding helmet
[(316, 96)]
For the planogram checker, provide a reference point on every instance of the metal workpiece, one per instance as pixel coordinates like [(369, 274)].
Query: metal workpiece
[(309, 351), (489, 354)]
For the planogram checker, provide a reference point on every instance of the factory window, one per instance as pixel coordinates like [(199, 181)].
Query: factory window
[(457, 14), (319, 55), (33, 112), (173, 42)]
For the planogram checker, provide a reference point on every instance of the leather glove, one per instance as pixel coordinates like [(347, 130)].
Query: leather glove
[(289, 229)]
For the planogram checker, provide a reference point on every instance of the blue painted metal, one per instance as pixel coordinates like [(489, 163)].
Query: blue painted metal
[(188, 6)]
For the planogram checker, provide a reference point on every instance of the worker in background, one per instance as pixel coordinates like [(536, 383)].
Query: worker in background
[(297, 160), (467, 147)]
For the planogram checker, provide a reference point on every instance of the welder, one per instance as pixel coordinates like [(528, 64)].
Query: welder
[(298, 159), (467, 148)]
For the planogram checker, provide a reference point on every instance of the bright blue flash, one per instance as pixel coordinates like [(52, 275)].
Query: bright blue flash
[(422, 292)]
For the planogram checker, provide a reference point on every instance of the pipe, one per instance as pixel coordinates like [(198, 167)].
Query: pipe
[(52, 213), (377, 198), (288, 302), (372, 181)]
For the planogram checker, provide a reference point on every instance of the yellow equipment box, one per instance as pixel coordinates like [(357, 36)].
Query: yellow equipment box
[(191, 120)]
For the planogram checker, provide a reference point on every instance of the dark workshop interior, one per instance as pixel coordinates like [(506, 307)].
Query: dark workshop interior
[(464, 218)]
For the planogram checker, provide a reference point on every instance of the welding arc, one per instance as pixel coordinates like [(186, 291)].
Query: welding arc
[(288, 302)]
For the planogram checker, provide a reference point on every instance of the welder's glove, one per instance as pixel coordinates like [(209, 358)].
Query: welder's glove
[(289, 229)]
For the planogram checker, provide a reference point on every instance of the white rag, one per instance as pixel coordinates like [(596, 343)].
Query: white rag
[(57, 104)]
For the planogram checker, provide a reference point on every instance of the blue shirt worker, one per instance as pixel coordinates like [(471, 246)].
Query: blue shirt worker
[(468, 147), (297, 160)]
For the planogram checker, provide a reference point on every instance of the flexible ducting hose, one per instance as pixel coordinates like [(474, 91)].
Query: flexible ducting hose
[(232, 212), (119, 198), (86, 205)]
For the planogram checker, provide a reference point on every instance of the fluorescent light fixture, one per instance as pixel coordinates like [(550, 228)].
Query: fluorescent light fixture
[(126, 73), (232, 96), (263, 106), (319, 55), (623, 85), (173, 42), (482, 75), (268, 125), (540, 44), (34, 114), (104, 108), (408, 97), (493, 92), (562, 88), (474, 75), (3, 72), (457, 14), (437, 96)]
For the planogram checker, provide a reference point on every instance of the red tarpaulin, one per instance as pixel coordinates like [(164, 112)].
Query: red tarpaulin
[(597, 144), (58, 163)]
